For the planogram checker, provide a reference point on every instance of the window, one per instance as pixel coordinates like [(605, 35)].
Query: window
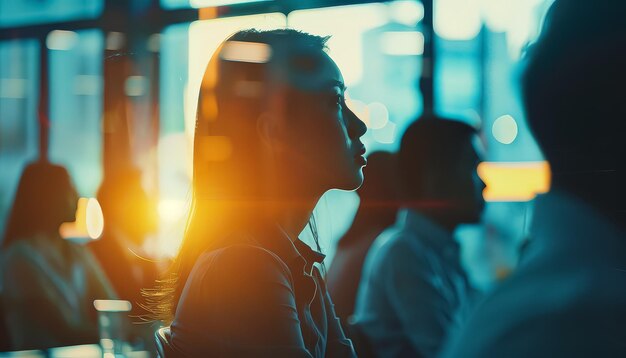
[(32, 12)]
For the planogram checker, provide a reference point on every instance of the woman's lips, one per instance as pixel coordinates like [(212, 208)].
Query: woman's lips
[(360, 159)]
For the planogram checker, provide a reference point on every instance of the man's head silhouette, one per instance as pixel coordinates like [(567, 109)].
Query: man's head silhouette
[(437, 167), (575, 94)]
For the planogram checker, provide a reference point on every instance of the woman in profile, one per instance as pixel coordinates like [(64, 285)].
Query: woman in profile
[(273, 134), (49, 283)]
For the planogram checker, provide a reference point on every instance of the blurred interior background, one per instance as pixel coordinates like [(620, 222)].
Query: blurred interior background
[(108, 89)]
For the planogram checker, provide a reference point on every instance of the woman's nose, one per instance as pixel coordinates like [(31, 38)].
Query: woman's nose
[(357, 127)]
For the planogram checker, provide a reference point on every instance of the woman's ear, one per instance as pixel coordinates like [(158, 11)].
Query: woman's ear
[(270, 124), (266, 128)]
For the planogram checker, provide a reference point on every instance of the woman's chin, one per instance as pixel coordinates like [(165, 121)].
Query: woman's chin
[(352, 183)]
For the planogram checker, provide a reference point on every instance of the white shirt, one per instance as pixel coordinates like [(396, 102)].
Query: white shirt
[(412, 288), (566, 299)]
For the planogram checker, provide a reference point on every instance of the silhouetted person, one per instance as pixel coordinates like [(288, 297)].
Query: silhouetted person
[(129, 216), (273, 134), (413, 288), (377, 211), (567, 297), (49, 282)]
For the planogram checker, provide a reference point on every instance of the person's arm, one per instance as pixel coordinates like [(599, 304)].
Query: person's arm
[(240, 302), (415, 296)]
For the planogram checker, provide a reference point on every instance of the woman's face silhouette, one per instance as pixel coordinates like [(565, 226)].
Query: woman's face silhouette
[(321, 133)]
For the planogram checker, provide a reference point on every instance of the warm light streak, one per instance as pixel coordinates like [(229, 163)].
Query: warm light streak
[(207, 13), (171, 209), (242, 51), (514, 181)]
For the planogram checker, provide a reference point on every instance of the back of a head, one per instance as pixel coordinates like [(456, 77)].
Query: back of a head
[(431, 146), (44, 199), (573, 89), (238, 87)]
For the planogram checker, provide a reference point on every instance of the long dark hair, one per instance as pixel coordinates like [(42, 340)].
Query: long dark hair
[(230, 171), (44, 199)]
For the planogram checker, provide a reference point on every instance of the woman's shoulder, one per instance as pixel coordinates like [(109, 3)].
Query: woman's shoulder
[(25, 251), (241, 258), (235, 273), (27, 263)]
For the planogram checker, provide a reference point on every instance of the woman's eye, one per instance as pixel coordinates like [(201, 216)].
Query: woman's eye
[(338, 100)]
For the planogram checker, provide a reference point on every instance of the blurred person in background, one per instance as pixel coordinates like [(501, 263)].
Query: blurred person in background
[(413, 290), (129, 216), (567, 297), (273, 134), (377, 211), (49, 283)]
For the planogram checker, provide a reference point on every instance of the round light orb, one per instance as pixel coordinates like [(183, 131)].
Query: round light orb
[(505, 129)]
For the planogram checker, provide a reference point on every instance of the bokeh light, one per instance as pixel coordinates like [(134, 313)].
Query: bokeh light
[(171, 209), (94, 220), (89, 222), (505, 129), (386, 134), (378, 115)]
